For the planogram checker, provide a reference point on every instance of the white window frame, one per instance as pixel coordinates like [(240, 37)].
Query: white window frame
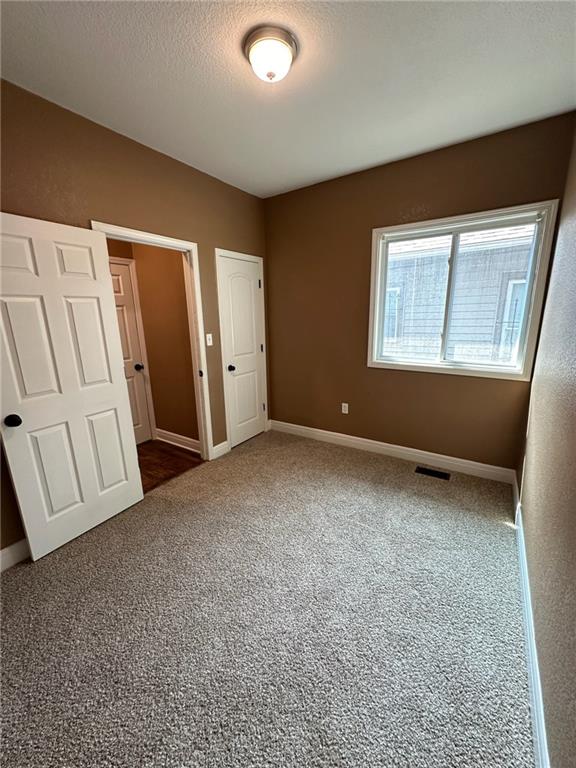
[(544, 212), (508, 303)]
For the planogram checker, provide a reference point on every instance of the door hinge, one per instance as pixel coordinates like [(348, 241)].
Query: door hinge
[(261, 347), (259, 283), (263, 406)]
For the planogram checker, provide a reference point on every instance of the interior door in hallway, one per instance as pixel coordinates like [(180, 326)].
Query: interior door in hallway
[(133, 347), (241, 307), (66, 423)]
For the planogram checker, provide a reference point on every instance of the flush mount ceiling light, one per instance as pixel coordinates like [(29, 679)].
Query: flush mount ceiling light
[(270, 51)]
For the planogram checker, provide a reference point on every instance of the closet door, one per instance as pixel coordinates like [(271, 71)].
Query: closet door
[(241, 306)]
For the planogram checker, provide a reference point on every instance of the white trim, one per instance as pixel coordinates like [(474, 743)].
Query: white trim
[(223, 253), (221, 449), (139, 236), (238, 255), (131, 264), (194, 304), (455, 244), (268, 425), (467, 221), (197, 344), (189, 443), (546, 211), (448, 463), (541, 755), (456, 369), (13, 554)]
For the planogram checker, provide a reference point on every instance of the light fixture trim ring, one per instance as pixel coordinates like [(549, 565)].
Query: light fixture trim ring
[(270, 33)]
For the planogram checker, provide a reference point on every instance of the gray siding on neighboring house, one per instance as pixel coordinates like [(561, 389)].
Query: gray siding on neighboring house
[(488, 292), (487, 304), (420, 286)]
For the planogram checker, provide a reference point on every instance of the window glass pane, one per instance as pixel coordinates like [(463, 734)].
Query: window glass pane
[(391, 313), (414, 298), (489, 295)]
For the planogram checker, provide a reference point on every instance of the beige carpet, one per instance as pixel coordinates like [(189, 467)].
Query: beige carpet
[(291, 604)]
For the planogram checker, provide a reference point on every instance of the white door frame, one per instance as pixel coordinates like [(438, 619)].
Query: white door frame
[(223, 253), (131, 264), (191, 268)]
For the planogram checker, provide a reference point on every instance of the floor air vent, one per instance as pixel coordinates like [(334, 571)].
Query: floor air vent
[(433, 473)]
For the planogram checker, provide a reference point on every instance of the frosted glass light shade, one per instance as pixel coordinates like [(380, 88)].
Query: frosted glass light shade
[(270, 52)]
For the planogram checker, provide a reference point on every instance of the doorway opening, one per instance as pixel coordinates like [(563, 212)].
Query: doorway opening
[(151, 308), (169, 383)]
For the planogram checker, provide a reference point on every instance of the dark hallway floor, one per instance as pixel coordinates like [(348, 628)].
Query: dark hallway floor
[(160, 462)]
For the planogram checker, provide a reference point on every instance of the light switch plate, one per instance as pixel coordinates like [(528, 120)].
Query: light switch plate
[(344, 407), (209, 341)]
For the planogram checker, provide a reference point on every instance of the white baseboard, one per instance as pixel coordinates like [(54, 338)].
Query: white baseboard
[(219, 450), (541, 756), (180, 440), (268, 426), (447, 463), (13, 554)]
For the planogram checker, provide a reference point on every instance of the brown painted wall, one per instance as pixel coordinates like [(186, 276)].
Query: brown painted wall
[(61, 167), (549, 491), (165, 317), (318, 266)]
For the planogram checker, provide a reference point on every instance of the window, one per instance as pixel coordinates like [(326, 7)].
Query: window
[(461, 295)]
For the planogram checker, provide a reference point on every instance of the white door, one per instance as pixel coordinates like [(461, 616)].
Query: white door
[(66, 423), (241, 306), (133, 347)]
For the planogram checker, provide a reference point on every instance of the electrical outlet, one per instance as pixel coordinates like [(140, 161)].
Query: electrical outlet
[(344, 407)]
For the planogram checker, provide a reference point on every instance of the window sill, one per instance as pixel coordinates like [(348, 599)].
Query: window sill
[(479, 372)]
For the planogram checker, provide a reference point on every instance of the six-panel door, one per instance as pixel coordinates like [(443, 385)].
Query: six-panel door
[(132, 352), (73, 458)]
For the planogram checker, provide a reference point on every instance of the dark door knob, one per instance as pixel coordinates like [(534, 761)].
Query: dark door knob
[(231, 367), (12, 420), (138, 367)]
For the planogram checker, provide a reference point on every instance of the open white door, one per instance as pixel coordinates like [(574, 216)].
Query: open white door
[(125, 286), (66, 422), (241, 307)]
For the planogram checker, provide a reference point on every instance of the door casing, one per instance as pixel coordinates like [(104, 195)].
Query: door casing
[(194, 305)]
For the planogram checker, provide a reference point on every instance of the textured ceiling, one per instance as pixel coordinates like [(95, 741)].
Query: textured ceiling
[(374, 81)]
